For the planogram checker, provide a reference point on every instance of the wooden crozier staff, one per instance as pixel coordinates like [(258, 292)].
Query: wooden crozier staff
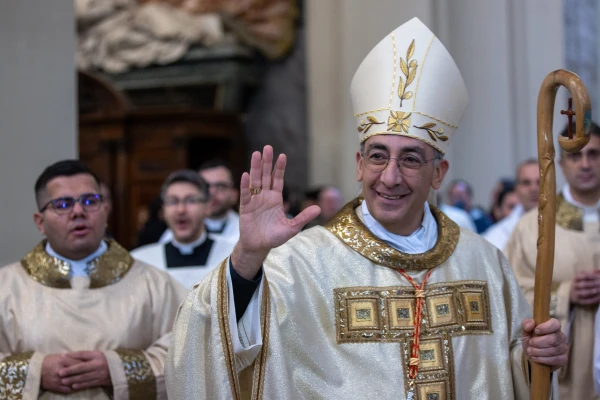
[(540, 374)]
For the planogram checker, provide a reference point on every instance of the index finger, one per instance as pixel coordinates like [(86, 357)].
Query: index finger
[(83, 355), (548, 327), (76, 369)]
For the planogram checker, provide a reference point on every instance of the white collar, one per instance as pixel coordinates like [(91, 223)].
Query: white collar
[(78, 267), (188, 248), (590, 213), (518, 211), (215, 224), (420, 241)]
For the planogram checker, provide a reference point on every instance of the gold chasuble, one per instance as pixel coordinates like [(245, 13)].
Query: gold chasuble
[(337, 322), (577, 249), (124, 308)]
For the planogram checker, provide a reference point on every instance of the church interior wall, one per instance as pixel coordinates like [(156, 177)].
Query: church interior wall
[(37, 110)]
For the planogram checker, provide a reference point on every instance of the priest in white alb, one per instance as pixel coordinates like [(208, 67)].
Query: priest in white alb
[(191, 252), (390, 299), (576, 276), (79, 317)]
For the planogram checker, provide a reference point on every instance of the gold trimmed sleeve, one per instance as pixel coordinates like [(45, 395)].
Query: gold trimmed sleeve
[(14, 370), (133, 379)]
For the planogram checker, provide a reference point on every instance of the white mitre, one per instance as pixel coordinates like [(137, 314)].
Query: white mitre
[(409, 85)]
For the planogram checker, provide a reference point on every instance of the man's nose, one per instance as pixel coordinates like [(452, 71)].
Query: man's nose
[(391, 174), (585, 161), (78, 209)]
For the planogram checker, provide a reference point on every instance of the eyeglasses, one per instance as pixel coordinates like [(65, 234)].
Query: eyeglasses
[(408, 164), (187, 201), (220, 186), (65, 205)]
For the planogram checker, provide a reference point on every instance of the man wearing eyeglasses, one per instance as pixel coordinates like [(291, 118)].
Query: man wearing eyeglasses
[(192, 252), (576, 279), (390, 299), (221, 219), (79, 317)]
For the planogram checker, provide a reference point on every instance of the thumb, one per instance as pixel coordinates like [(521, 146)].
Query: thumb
[(527, 327), (307, 215)]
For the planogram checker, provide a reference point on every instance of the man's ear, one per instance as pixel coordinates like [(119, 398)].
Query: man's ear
[(359, 165), (38, 220), (439, 172)]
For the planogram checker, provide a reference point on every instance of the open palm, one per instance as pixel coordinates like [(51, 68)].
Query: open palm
[(263, 223)]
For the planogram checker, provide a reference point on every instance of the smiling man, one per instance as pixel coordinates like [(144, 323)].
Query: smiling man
[(576, 279), (191, 253), (390, 299), (80, 318)]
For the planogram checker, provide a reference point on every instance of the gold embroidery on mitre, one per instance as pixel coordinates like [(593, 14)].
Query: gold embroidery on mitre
[(105, 270), (398, 121), (365, 126), (409, 69), (347, 227), (13, 375), (140, 377), (568, 216), (433, 134)]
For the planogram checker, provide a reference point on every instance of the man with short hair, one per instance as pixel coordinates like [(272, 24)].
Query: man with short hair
[(192, 253), (390, 299), (527, 189), (80, 318), (221, 219), (576, 278), (460, 195)]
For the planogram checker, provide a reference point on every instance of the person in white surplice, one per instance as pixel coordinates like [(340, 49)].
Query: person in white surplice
[(192, 252), (79, 317)]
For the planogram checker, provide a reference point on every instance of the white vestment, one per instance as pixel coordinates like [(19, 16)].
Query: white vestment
[(154, 254), (336, 320), (499, 233)]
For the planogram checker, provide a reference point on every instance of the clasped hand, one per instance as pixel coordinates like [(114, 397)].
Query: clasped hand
[(70, 372)]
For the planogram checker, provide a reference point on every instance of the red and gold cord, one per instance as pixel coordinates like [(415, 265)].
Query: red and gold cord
[(420, 296)]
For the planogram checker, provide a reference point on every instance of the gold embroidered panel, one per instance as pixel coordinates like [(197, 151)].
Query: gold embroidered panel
[(387, 314), (13, 375), (140, 377)]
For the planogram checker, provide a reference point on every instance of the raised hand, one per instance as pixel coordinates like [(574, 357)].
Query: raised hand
[(263, 223)]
